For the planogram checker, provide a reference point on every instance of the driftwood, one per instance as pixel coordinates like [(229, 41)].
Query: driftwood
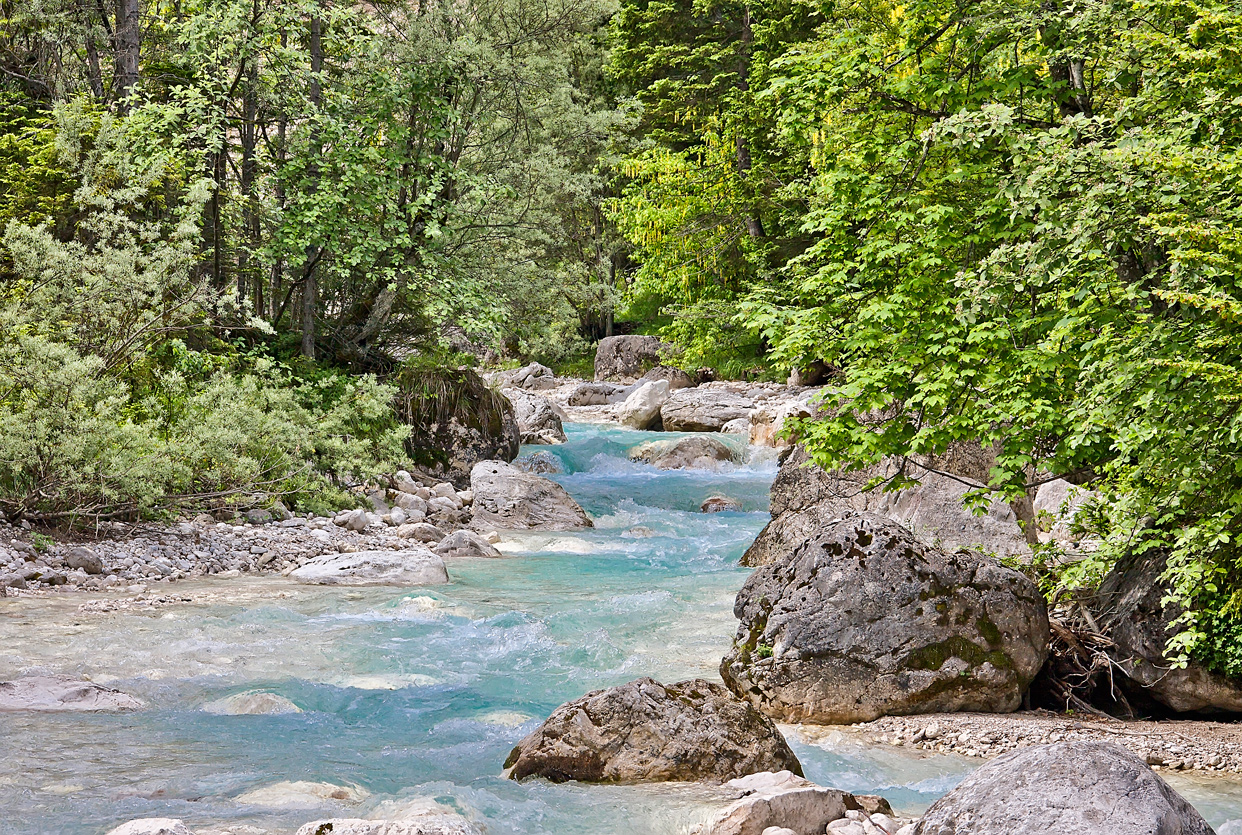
[(1079, 674)]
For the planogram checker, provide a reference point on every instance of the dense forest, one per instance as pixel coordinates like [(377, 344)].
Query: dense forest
[(235, 233)]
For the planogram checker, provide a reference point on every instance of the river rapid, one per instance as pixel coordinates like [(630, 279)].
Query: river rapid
[(421, 693)]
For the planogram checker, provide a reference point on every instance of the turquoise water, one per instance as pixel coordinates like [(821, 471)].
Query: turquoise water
[(419, 693)]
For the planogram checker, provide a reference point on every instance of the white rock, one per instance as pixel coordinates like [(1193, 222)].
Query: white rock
[(413, 566), (152, 826), (410, 502), (642, 407), (301, 793), (60, 693)]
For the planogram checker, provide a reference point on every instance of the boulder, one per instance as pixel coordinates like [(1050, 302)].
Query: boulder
[(703, 409), (421, 532), (532, 376), (252, 704), (152, 826), (805, 497), (1138, 623), (782, 802), (862, 620), (455, 421), (719, 504), (505, 498), (596, 394), (465, 543), (626, 358), (641, 410), (413, 566), (645, 731), (1067, 788), (538, 420), (60, 693), (84, 559), (699, 453), (675, 377), (297, 794)]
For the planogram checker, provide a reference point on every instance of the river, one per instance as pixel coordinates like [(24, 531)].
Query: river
[(421, 693)]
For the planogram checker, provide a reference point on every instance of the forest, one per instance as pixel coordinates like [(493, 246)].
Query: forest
[(237, 233)]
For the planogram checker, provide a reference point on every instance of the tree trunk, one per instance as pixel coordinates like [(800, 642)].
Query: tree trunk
[(754, 226), (249, 171), (316, 96), (93, 71), (128, 44)]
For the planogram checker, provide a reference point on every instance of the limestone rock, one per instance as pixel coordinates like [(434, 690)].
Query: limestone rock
[(84, 559), (152, 826), (644, 731), (506, 498), (1138, 625), (357, 826), (720, 504), (467, 422), (862, 620), (1067, 788), (805, 497), (694, 452), (302, 794), (596, 394), (539, 461), (252, 704), (703, 409), (641, 410), (531, 376), (464, 543), (60, 693), (421, 532), (414, 566), (626, 358), (675, 377), (538, 420)]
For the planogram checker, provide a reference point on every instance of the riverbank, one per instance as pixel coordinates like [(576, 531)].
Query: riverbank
[(1202, 746)]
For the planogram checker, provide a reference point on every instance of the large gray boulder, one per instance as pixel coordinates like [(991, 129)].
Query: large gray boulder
[(538, 420), (626, 358), (1067, 788), (694, 452), (703, 409), (645, 731), (1135, 617), (455, 421), (505, 498), (805, 497), (862, 620), (60, 693), (414, 565)]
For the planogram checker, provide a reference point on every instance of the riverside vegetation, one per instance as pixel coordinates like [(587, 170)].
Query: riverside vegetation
[(285, 285)]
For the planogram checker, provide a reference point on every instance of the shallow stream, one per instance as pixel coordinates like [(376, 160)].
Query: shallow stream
[(421, 693)]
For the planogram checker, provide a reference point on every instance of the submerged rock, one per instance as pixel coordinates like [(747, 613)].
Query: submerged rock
[(414, 566), (252, 704), (703, 409), (506, 498), (1067, 788), (421, 817), (1138, 624), (694, 452), (60, 693), (538, 420), (539, 462), (152, 826), (626, 358), (862, 620), (645, 731)]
